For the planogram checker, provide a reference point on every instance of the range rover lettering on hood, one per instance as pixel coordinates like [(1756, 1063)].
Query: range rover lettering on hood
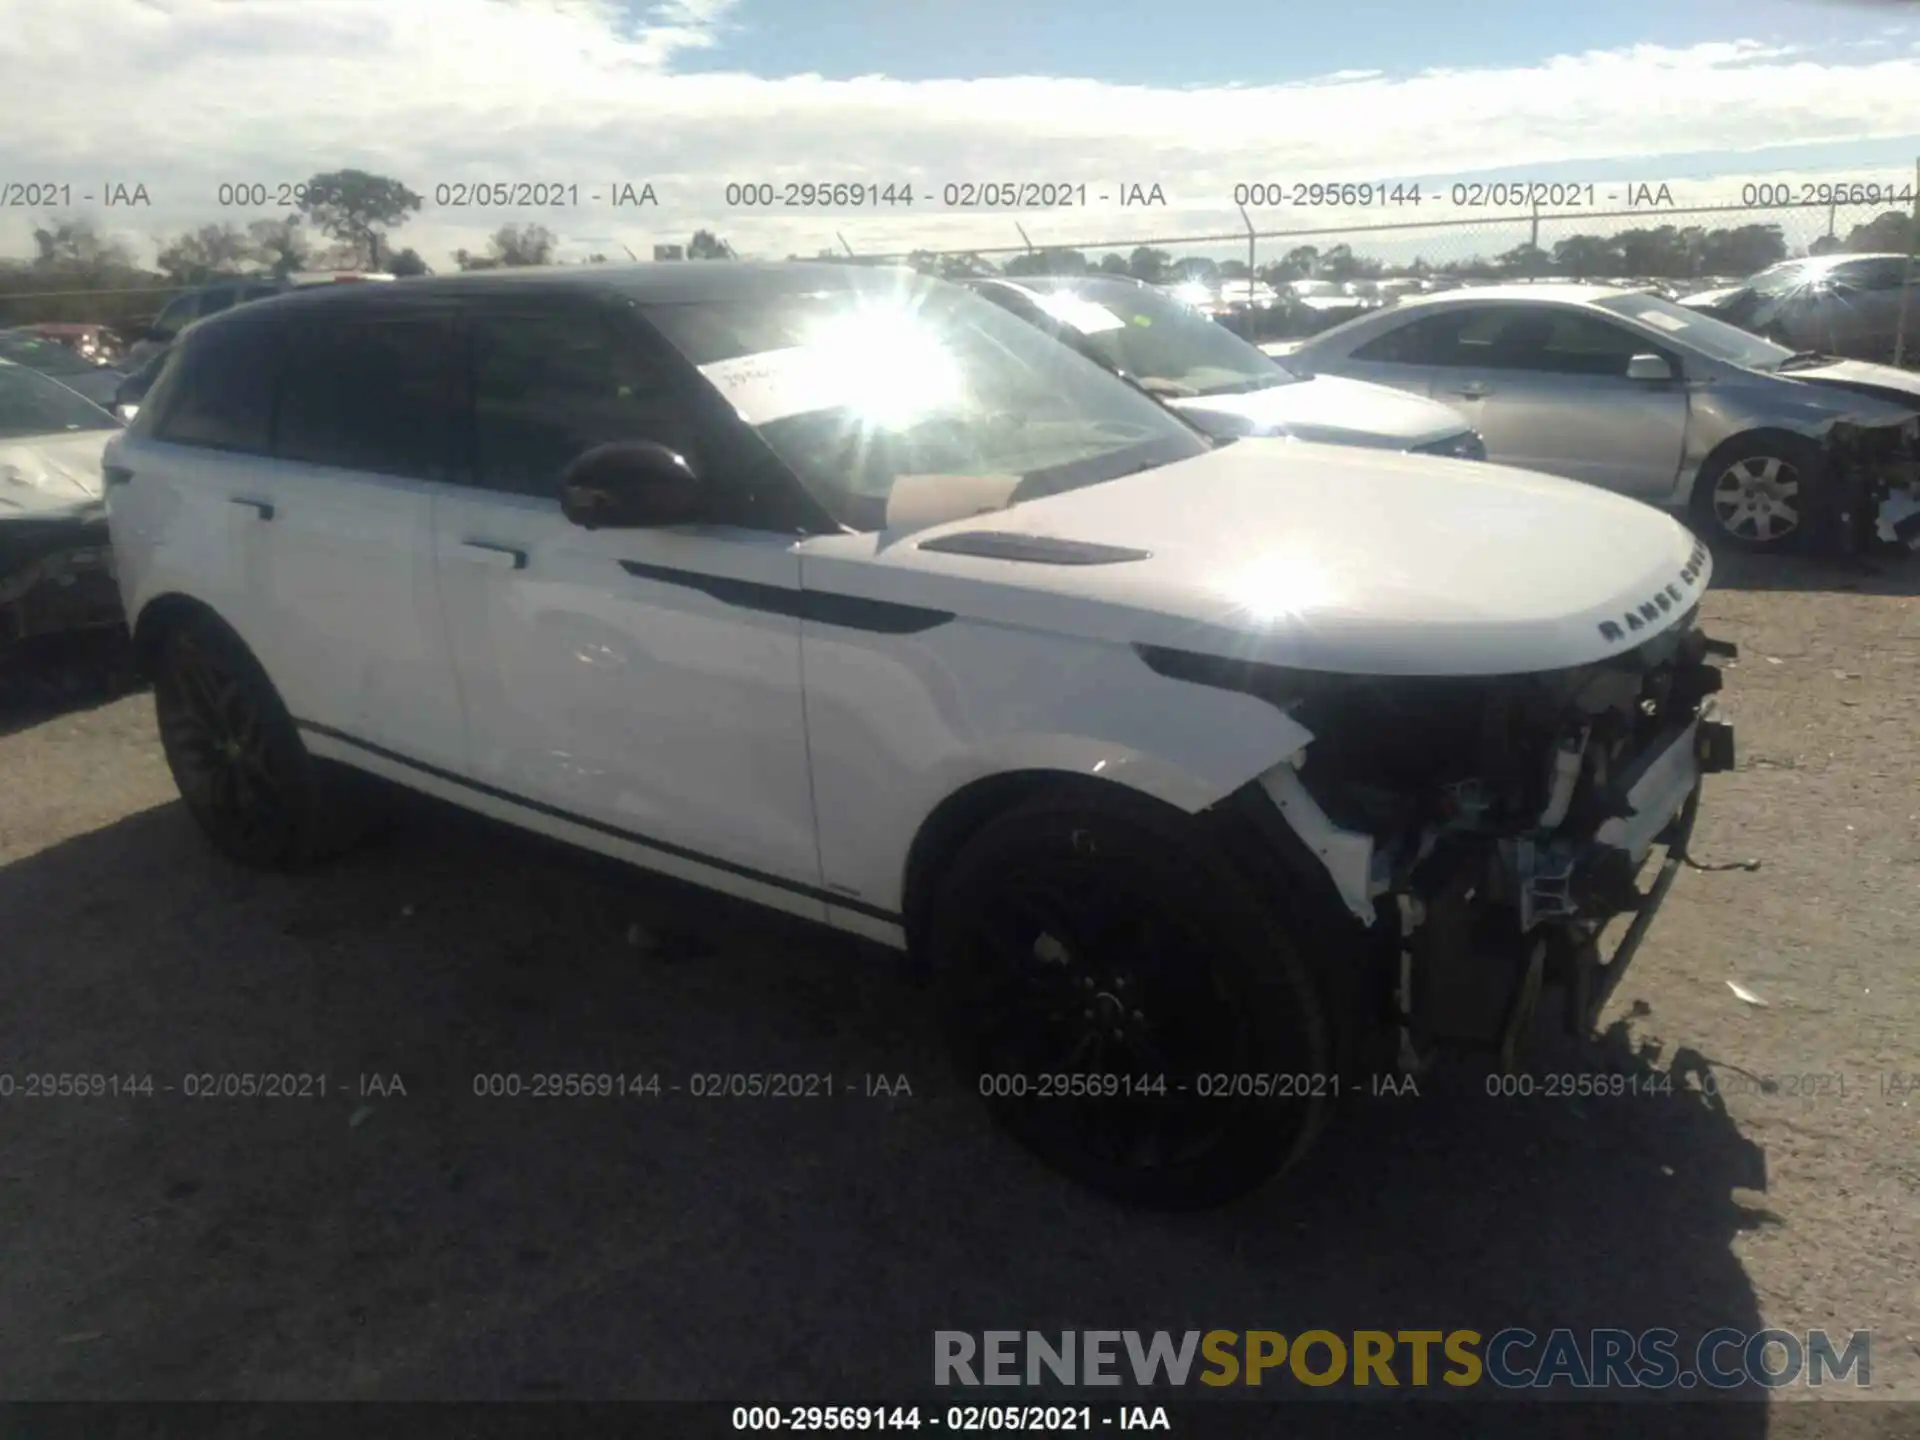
[(1662, 601)]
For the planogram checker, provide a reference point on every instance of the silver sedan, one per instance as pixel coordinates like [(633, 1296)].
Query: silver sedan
[(1628, 391)]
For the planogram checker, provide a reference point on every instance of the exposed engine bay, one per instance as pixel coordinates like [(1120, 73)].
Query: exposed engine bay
[(1484, 832)]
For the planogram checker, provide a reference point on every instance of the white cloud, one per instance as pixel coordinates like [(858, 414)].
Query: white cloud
[(182, 95)]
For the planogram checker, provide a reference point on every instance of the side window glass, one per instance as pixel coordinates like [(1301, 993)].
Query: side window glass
[(1579, 344), (548, 386), (371, 392), (218, 390), (212, 302), (1424, 342), (175, 317)]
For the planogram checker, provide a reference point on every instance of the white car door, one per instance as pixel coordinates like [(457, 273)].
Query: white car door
[(310, 450), (1546, 386), (641, 685)]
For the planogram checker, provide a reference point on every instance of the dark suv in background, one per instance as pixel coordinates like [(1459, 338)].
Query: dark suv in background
[(183, 310)]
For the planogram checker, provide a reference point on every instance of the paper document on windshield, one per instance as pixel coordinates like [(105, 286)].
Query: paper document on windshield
[(917, 501), (777, 383), (1080, 314)]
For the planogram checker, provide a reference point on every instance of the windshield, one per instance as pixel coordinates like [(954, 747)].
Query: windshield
[(1160, 342), (1710, 337), (49, 357), (31, 404), (891, 380)]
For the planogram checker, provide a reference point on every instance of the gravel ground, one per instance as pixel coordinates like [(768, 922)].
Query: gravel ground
[(438, 1244)]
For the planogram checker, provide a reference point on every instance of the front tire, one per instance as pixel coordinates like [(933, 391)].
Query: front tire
[(1090, 946), (1754, 493), (249, 782)]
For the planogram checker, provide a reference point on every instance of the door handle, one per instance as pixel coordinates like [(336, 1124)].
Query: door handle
[(486, 552), (259, 507)]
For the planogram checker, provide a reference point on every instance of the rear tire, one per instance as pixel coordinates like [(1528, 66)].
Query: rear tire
[(237, 757), (1088, 942), (1755, 493)]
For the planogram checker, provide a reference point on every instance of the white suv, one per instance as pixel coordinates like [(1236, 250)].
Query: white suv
[(1201, 773)]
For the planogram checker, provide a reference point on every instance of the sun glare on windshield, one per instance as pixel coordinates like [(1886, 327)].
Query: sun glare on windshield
[(895, 368)]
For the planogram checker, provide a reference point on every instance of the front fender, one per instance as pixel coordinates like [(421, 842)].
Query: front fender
[(899, 724)]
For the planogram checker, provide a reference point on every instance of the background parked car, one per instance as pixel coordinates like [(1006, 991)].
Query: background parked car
[(55, 568), (28, 347), (1637, 394), (1842, 304), (96, 344), (183, 310), (1218, 381)]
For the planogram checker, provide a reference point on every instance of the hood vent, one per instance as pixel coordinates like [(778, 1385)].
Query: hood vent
[(1031, 549)]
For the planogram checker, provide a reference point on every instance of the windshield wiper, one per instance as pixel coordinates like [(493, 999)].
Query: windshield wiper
[(1805, 359)]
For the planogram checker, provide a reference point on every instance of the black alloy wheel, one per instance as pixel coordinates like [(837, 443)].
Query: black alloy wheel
[(237, 757), (1127, 1007)]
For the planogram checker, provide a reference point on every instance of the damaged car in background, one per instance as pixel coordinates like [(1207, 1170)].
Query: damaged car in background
[(56, 571), (1222, 383), (1201, 775), (1766, 448)]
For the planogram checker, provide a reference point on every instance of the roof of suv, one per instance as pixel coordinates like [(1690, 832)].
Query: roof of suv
[(658, 282)]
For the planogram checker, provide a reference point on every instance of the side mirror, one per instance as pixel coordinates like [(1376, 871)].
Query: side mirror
[(1649, 367), (629, 485)]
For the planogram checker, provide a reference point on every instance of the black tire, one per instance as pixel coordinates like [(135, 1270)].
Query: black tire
[(238, 759), (1756, 493), (1100, 935)]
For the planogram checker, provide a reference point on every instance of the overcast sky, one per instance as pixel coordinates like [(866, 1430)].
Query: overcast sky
[(183, 95)]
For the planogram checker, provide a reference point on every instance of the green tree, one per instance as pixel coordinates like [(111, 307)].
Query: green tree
[(408, 262), (1148, 264), (1891, 232), (205, 254), (76, 245), (357, 209), (281, 246), (1585, 256), (517, 245), (705, 245), (1113, 263)]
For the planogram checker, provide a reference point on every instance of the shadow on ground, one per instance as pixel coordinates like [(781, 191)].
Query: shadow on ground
[(444, 1243), (1886, 571), (55, 675)]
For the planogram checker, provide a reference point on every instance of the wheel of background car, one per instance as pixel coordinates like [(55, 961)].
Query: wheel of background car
[(1093, 942), (238, 760), (1754, 492)]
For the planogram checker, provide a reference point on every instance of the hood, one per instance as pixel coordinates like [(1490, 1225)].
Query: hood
[(51, 474), (1316, 557), (1708, 299), (1883, 382), (1331, 410)]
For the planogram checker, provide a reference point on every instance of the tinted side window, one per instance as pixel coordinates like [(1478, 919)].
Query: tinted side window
[(371, 392), (219, 389), (548, 385), (1423, 342), (177, 314), (1874, 274), (212, 302)]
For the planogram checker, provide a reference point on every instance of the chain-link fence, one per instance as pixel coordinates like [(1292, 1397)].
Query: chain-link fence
[(1280, 283), (1360, 248)]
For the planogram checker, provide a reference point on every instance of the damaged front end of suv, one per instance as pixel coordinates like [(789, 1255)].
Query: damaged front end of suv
[(1482, 835)]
